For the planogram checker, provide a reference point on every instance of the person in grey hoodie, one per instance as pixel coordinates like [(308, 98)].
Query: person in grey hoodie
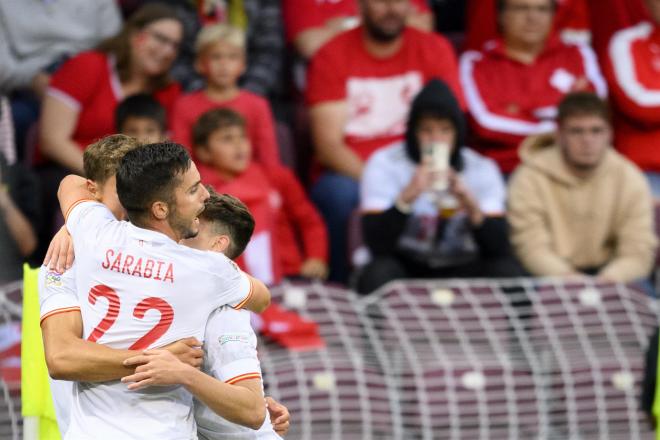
[(431, 207)]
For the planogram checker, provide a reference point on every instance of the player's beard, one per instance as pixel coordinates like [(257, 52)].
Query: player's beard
[(183, 228)]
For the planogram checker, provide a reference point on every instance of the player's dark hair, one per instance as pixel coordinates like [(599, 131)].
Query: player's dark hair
[(150, 174), (102, 158), (141, 105), (582, 104), (501, 5), (213, 120), (231, 217)]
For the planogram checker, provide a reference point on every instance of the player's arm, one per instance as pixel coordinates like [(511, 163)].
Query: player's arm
[(72, 189), (242, 403), (69, 357), (258, 299)]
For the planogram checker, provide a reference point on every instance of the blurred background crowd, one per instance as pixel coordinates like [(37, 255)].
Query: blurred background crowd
[(371, 139)]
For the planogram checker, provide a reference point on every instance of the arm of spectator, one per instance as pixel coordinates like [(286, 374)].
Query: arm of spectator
[(56, 128), (265, 49), (69, 357), (530, 237), (327, 121), (635, 238), (108, 20), (242, 403), (18, 225), (265, 145), (15, 73), (422, 20), (307, 222), (310, 40)]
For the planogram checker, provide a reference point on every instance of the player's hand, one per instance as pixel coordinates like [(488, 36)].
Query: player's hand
[(60, 256), (279, 416), (155, 367), (314, 268), (188, 350)]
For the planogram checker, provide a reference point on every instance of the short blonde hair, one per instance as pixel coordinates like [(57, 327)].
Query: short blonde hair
[(101, 159), (212, 34)]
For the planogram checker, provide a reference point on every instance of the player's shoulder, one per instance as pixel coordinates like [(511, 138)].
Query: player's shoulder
[(227, 319), (215, 263)]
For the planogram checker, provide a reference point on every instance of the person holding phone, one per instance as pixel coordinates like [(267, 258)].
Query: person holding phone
[(431, 207)]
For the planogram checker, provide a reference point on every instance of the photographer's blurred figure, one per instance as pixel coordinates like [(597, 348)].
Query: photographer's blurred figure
[(433, 208)]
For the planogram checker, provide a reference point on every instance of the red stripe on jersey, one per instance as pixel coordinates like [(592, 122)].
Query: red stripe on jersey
[(246, 299), (76, 203), (58, 311), (242, 377)]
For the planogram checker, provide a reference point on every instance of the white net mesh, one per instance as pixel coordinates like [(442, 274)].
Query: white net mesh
[(10, 353), (467, 360), (514, 359)]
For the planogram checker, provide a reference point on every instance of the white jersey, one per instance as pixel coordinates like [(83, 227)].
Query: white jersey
[(139, 289), (57, 294), (230, 355)]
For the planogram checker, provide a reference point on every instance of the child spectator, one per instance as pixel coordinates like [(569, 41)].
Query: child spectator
[(416, 229), (284, 215), (221, 60), (142, 117)]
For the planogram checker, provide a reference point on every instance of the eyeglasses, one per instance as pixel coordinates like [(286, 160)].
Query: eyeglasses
[(164, 39), (528, 9)]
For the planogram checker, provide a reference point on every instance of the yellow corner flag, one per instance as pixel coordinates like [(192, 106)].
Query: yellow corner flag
[(37, 402)]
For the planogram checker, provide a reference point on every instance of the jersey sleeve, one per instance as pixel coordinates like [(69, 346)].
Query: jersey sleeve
[(233, 286), (74, 89), (233, 350), (85, 218), (57, 292)]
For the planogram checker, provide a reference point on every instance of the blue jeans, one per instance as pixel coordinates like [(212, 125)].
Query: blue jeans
[(336, 196), (654, 182)]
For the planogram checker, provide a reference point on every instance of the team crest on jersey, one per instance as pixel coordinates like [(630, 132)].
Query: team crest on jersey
[(53, 279), (234, 337)]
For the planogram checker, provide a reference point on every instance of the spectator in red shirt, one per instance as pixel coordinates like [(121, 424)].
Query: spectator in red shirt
[(284, 216), (513, 86), (311, 24), (221, 60), (360, 85), (571, 22), (632, 68), (83, 94)]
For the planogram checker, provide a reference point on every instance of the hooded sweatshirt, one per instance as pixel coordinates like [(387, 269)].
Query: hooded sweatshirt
[(423, 236), (562, 224)]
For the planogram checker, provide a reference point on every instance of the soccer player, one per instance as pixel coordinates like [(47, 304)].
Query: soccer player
[(70, 357), (67, 355), (144, 288), (230, 344)]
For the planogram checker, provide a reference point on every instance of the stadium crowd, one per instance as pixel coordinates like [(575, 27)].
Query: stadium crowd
[(311, 113)]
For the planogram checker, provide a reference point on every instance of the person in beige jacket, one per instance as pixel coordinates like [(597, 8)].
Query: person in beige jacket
[(576, 206)]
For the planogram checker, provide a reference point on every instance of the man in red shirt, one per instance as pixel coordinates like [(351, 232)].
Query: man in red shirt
[(512, 86), (360, 85), (632, 68), (311, 24)]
